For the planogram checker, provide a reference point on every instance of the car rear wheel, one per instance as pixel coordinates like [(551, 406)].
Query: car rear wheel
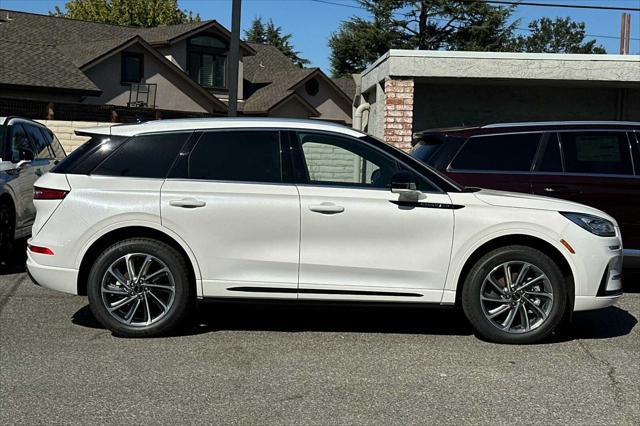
[(514, 294), (140, 288)]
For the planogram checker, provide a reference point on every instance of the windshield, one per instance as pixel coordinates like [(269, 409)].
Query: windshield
[(445, 183)]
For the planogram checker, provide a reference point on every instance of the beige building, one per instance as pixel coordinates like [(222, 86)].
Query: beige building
[(406, 91)]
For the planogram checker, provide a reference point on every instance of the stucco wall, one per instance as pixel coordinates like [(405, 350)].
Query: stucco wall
[(173, 93), (446, 104), (64, 131)]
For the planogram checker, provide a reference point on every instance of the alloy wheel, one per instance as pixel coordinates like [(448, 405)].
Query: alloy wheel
[(138, 289), (516, 297)]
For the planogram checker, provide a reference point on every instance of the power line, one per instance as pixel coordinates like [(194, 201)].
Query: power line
[(333, 3), (561, 5)]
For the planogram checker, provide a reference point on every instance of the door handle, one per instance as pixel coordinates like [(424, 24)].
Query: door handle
[(187, 203), (326, 208), (558, 189)]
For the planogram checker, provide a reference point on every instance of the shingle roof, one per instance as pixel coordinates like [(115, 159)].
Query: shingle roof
[(38, 65), (272, 76), (72, 42), (347, 84)]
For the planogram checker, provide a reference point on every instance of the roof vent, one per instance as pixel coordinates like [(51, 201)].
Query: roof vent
[(7, 18)]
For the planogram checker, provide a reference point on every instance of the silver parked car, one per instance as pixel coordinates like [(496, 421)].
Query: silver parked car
[(27, 151)]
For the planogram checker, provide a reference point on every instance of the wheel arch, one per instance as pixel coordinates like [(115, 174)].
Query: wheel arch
[(134, 231), (524, 240), (7, 199)]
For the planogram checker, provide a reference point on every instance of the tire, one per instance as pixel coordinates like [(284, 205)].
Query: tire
[(530, 311), (156, 304), (7, 231)]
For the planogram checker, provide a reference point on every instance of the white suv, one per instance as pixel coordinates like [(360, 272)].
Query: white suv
[(147, 218)]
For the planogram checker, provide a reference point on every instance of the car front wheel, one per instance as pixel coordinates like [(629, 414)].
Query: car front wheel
[(515, 295), (140, 288)]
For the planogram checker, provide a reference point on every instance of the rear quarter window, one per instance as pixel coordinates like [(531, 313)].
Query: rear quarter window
[(144, 156), (509, 153), (87, 156), (596, 153)]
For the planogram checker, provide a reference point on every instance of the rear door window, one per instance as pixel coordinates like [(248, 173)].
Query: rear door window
[(144, 156), (596, 153), (508, 153), (238, 156), (551, 160), (54, 143), (40, 143)]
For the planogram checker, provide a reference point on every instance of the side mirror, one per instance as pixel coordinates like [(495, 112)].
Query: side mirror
[(402, 181)]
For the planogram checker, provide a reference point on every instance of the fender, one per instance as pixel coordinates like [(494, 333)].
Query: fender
[(143, 224), (461, 255)]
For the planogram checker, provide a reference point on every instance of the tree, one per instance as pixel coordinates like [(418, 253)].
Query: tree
[(419, 24), (269, 33), (138, 13), (559, 36)]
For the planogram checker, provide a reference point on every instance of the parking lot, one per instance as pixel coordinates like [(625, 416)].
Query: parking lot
[(267, 364)]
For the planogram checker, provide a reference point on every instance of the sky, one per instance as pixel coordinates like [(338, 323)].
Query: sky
[(312, 22)]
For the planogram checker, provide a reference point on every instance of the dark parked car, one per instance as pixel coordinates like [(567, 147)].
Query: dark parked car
[(593, 163), (27, 151)]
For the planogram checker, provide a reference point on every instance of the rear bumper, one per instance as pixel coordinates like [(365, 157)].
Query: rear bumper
[(59, 279)]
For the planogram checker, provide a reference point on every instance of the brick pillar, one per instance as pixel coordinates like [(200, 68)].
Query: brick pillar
[(398, 111)]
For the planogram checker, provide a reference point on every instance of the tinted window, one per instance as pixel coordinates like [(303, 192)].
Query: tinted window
[(513, 153), (596, 153), (551, 161), (243, 156), (54, 143), (144, 156), (334, 160), (20, 144), (424, 152), (39, 142), (87, 156)]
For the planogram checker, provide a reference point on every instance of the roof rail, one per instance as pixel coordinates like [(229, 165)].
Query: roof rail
[(556, 123)]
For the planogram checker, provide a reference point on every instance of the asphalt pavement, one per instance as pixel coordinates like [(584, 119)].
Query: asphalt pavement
[(248, 363)]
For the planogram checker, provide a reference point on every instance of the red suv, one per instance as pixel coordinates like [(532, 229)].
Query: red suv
[(593, 163)]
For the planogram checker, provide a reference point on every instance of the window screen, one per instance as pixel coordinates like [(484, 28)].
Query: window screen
[(596, 153), (514, 153), (242, 156), (144, 156)]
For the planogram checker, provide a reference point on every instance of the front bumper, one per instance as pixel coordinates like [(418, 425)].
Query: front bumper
[(59, 279)]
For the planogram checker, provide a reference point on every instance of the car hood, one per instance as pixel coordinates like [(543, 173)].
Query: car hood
[(528, 201)]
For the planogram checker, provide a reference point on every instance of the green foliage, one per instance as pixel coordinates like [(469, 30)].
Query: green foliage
[(138, 13), (446, 25), (559, 36), (269, 33)]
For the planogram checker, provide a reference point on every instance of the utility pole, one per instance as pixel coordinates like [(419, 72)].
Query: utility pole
[(234, 59), (625, 34)]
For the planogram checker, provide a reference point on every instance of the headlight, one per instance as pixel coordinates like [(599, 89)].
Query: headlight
[(594, 224)]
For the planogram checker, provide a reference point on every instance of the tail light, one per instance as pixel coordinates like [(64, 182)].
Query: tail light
[(40, 250), (48, 194)]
